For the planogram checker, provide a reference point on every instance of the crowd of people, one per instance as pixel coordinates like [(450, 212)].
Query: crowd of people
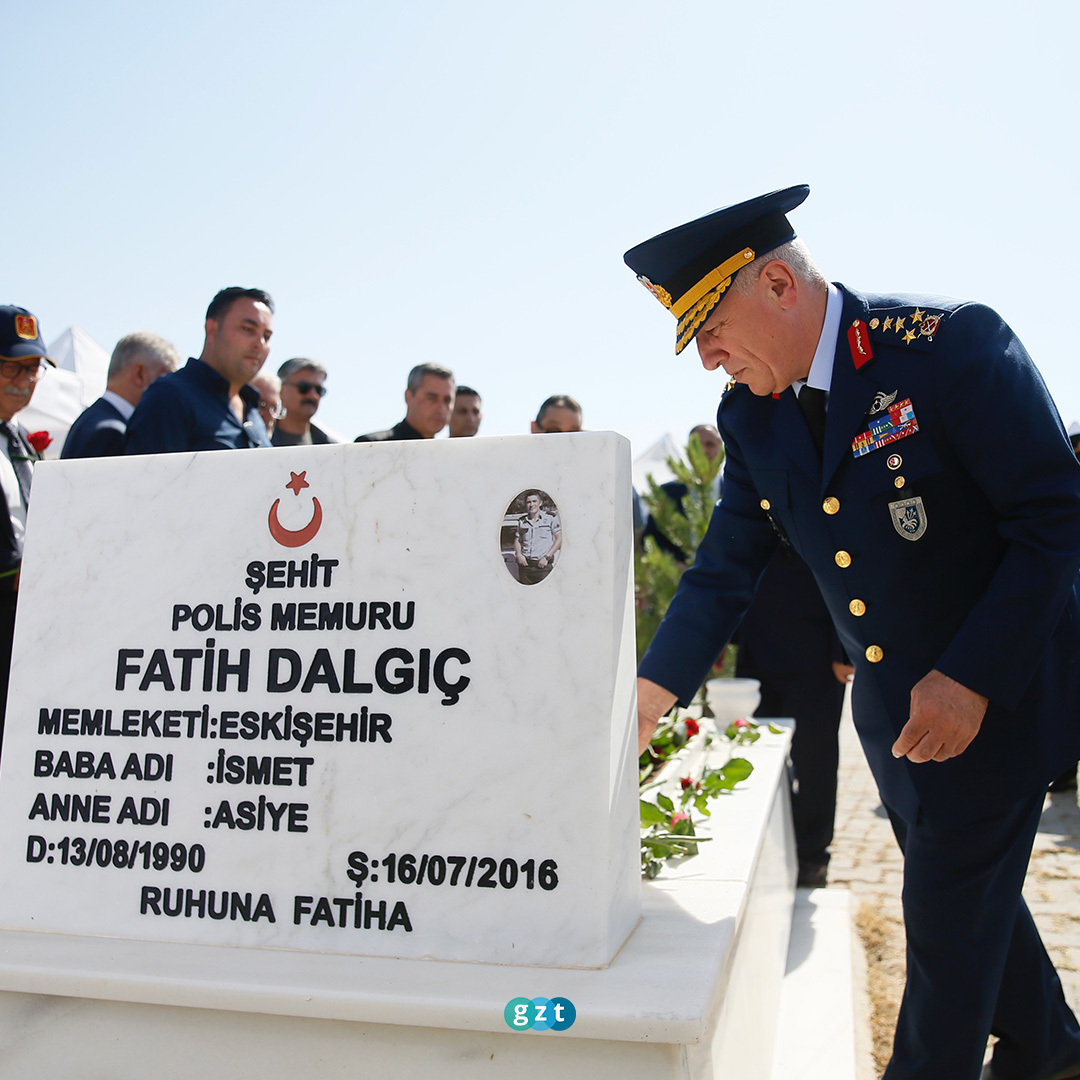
[(224, 399)]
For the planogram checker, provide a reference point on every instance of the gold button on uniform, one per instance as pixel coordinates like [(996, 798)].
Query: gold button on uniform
[(842, 558), (899, 481), (831, 505), (857, 607), (874, 653), (765, 504)]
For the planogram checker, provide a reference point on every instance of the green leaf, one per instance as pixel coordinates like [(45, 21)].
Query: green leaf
[(738, 769), (776, 730), (665, 802), (651, 814)]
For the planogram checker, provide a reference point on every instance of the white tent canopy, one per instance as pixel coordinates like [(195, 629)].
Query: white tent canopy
[(654, 461), (64, 391)]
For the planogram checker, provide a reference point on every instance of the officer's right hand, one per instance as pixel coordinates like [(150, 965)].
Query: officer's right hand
[(945, 717), (653, 701)]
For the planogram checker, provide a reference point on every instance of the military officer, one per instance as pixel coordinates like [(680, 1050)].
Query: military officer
[(855, 426)]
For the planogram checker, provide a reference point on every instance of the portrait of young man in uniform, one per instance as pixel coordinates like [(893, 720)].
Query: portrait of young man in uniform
[(536, 538)]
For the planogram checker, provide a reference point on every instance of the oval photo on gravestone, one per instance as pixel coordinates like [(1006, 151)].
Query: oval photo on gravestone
[(531, 536)]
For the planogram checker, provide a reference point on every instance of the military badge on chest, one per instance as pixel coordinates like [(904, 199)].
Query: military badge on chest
[(908, 518), (897, 421)]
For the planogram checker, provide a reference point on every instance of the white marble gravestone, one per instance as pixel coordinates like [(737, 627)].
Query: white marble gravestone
[(299, 699)]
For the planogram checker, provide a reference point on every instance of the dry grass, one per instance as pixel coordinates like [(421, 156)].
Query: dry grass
[(882, 936)]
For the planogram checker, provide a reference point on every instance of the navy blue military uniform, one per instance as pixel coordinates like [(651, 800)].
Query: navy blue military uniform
[(97, 432), (190, 409), (942, 523)]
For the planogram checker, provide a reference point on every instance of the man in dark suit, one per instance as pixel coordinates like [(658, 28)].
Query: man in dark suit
[(137, 360), (22, 356), (676, 490), (787, 642), (429, 397), (948, 562)]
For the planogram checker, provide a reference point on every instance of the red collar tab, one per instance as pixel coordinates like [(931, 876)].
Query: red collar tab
[(859, 342)]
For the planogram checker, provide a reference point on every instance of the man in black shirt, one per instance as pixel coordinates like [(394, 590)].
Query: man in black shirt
[(429, 397), (208, 404)]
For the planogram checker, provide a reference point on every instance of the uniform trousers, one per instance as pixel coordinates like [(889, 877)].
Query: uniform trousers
[(975, 962), (815, 699)]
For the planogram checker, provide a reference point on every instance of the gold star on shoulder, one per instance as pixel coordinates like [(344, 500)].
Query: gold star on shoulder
[(730, 383), (909, 336), (887, 324), (900, 323), (917, 315)]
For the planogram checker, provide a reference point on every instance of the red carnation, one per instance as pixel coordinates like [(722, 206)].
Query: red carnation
[(39, 440), (692, 728)]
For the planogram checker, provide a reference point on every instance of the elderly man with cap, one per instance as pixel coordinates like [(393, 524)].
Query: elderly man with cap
[(855, 431), (22, 354)]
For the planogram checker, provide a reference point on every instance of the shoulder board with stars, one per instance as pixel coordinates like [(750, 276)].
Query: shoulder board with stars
[(907, 327)]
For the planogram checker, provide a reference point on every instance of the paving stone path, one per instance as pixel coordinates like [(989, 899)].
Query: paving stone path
[(865, 859)]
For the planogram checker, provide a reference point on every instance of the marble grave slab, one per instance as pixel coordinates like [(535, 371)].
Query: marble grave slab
[(304, 699)]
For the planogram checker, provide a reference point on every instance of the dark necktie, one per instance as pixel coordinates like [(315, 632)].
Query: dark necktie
[(20, 461), (812, 403)]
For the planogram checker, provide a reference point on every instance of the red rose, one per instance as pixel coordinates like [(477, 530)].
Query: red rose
[(741, 723), (692, 728), (686, 782), (39, 440)]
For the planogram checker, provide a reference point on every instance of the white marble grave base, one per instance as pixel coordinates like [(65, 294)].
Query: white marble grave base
[(693, 993)]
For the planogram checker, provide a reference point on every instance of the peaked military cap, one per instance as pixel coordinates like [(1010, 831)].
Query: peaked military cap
[(20, 334), (689, 268)]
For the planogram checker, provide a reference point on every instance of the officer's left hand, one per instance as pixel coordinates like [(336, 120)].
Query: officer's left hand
[(945, 717)]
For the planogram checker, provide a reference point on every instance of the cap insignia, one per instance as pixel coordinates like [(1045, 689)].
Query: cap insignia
[(26, 327), (658, 291)]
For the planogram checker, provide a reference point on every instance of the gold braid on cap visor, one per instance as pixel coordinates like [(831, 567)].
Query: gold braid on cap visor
[(693, 307), (691, 322)]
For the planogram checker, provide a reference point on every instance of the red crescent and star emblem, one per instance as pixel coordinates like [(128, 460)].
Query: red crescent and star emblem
[(293, 538)]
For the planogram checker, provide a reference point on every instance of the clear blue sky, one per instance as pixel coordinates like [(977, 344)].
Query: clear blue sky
[(457, 182)]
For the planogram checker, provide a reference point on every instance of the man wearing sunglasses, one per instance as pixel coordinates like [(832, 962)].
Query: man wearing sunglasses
[(302, 388), (22, 360)]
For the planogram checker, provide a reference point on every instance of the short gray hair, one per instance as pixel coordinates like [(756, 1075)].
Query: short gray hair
[(142, 343), (300, 363), (795, 254), (416, 376), (266, 380)]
